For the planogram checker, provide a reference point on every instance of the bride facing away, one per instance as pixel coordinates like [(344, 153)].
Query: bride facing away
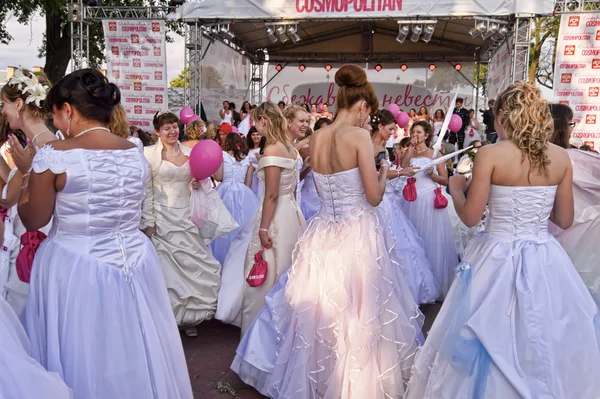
[(518, 321), (343, 325)]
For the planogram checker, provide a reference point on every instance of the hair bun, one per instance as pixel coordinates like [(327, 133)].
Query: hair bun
[(351, 75), (99, 88)]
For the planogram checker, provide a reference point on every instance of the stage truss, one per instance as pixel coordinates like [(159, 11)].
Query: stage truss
[(199, 37)]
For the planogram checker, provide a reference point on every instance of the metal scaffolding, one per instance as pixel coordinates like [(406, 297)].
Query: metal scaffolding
[(520, 53), (80, 36), (576, 6)]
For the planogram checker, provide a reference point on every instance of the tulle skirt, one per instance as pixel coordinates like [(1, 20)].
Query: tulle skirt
[(434, 228), (518, 322), (109, 332), (345, 325), (242, 204), (410, 247), (311, 203), (21, 376)]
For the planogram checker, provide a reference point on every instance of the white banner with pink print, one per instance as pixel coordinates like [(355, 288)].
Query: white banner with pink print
[(136, 62), (577, 73), (413, 88)]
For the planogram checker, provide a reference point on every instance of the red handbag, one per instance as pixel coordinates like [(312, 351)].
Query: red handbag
[(31, 241), (410, 190), (440, 201), (258, 273)]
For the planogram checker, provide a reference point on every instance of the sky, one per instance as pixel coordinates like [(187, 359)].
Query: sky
[(23, 50)]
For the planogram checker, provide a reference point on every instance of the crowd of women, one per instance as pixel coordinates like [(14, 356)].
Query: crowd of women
[(104, 262)]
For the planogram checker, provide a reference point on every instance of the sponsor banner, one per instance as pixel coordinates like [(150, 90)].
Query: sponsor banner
[(137, 64), (411, 89), (309, 9), (499, 69), (577, 73)]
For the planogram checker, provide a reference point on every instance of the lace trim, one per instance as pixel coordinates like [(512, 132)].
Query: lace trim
[(47, 158)]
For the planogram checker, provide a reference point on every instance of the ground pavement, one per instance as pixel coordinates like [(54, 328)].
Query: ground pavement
[(210, 354)]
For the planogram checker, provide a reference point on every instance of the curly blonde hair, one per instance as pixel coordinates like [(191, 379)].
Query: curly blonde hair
[(193, 130), (118, 125), (526, 122), (276, 125)]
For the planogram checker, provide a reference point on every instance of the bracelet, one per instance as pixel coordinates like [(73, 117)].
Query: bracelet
[(24, 186), (265, 230), (398, 172)]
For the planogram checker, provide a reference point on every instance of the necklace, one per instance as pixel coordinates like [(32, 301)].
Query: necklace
[(422, 151), (90, 129), (38, 135), (172, 155)]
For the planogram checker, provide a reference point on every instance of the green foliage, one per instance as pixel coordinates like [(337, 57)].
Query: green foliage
[(542, 50), (56, 46), (211, 78)]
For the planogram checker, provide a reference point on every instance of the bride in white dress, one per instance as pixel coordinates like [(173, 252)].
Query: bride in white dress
[(342, 326), (97, 313), (518, 321)]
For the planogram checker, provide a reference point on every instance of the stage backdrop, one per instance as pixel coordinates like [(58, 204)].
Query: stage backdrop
[(136, 62), (577, 73), (413, 88), (499, 69)]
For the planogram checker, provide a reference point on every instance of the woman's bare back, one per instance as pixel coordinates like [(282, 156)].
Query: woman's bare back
[(334, 149)]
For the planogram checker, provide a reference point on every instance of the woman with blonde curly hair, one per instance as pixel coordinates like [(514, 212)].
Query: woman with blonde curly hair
[(518, 321), (193, 133)]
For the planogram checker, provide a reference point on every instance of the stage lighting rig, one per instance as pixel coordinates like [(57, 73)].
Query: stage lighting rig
[(378, 67)]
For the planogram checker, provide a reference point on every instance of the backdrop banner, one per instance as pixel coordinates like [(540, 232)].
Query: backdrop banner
[(136, 62), (577, 73), (349, 9)]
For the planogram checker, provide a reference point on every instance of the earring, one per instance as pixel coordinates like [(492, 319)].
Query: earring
[(68, 132), (362, 119)]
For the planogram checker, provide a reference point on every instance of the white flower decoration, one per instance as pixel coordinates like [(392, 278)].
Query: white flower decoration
[(37, 91)]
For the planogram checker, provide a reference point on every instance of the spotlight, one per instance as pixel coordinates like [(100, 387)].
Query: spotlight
[(403, 33), (328, 67), (302, 67), (494, 27), (458, 67), (278, 67), (404, 67), (293, 34), (474, 32), (416, 33), (225, 30), (503, 30), (214, 29), (429, 29), (481, 27), (572, 5), (378, 67), (271, 34), (281, 34), (432, 67)]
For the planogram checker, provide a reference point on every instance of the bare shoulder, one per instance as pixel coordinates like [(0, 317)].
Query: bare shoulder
[(276, 150), (558, 153)]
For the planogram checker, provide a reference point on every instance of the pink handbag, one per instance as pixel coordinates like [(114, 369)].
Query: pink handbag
[(31, 241), (440, 201), (258, 273), (410, 190)]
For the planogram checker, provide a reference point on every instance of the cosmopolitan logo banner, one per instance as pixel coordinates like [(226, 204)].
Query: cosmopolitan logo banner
[(136, 63), (307, 9), (577, 73), (415, 88)]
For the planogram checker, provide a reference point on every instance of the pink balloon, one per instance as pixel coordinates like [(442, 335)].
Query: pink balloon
[(194, 118), (320, 107), (394, 109), (186, 114), (455, 123), (205, 159), (234, 129), (402, 119)]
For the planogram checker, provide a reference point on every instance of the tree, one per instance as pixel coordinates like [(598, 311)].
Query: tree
[(542, 50), (211, 78), (56, 46)]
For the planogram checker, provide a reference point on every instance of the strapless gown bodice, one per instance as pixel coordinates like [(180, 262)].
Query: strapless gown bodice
[(342, 194), (520, 213)]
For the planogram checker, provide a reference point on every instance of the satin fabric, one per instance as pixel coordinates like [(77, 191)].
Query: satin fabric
[(98, 312), (518, 321), (283, 230), (191, 271)]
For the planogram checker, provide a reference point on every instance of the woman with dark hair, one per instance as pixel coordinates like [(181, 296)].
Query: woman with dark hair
[(256, 143), (580, 239), (96, 269), (409, 245), (432, 224), (321, 123), (339, 323), (235, 176), (190, 269)]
